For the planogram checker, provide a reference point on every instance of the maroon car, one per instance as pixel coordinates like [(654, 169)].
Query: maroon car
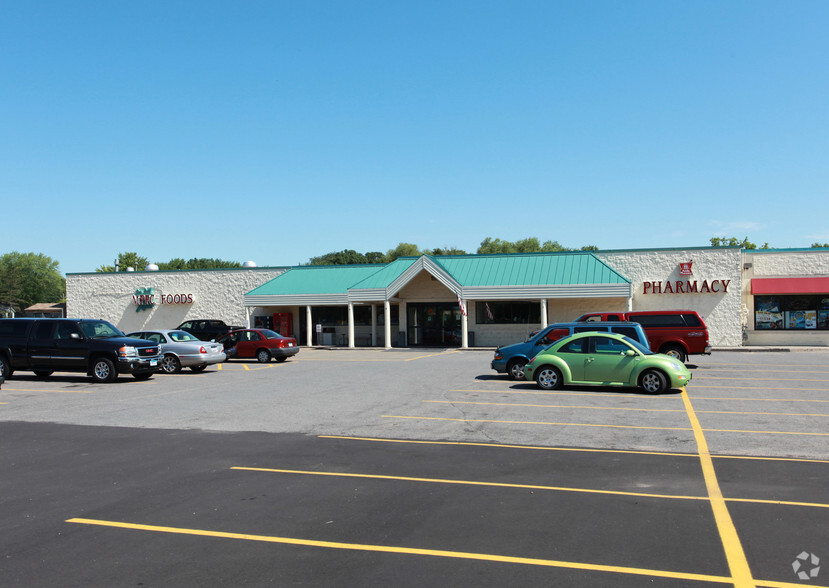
[(263, 344)]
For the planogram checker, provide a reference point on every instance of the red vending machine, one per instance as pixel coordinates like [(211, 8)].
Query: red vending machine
[(283, 323)]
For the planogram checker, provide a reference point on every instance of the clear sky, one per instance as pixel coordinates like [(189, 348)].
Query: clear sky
[(277, 131)]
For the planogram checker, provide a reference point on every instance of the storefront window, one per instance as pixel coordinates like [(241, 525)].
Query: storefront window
[(793, 313), (338, 315), (489, 313)]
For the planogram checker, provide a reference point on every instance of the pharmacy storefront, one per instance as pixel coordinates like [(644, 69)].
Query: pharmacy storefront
[(746, 297)]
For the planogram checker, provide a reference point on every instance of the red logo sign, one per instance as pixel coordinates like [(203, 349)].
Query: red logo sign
[(685, 268)]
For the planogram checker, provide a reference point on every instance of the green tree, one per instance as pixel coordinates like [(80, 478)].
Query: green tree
[(402, 250), (29, 278), (528, 245), (125, 260), (820, 245), (734, 242), (344, 257), (178, 263), (445, 251)]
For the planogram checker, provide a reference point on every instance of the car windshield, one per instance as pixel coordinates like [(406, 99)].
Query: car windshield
[(641, 348), (268, 334), (179, 336), (99, 330)]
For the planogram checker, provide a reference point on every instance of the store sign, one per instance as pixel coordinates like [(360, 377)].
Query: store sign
[(146, 298), (687, 287), (685, 268)]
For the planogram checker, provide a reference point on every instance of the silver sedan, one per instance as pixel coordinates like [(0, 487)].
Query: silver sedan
[(181, 349)]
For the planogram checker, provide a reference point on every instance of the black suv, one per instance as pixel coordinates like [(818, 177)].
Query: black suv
[(95, 347)]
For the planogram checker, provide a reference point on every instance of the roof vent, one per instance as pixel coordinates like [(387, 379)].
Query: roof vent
[(152, 267), (249, 264)]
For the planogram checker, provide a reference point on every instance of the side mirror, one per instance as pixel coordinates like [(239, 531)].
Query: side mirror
[(630, 353), (74, 335)]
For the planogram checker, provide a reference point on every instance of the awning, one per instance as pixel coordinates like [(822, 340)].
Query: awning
[(790, 286)]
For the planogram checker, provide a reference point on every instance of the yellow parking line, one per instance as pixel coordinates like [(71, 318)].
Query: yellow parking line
[(471, 483), (433, 355), (387, 416), (622, 408), (619, 394), (737, 562), (567, 449), (756, 399), (415, 551), (41, 390), (524, 486)]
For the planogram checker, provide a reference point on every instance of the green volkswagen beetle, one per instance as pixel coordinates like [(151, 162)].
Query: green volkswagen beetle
[(605, 359)]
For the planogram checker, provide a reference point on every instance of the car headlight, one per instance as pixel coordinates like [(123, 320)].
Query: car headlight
[(677, 367), (127, 351)]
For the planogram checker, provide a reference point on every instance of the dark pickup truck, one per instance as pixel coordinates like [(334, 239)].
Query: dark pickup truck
[(207, 329), (94, 347)]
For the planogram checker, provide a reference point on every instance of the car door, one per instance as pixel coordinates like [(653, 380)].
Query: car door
[(574, 354), (41, 343), (607, 360), (70, 349), (248, 344)]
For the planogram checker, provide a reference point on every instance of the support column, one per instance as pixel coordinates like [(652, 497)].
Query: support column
[(403, 321), (309, 327), (387, 323), (630, 304), (464, 326), (374, 325), (351, 325), (543, 312)]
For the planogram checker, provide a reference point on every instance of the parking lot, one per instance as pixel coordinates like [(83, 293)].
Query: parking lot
[(416, 467)]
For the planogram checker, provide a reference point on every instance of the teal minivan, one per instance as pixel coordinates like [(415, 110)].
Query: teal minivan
[(511, 359)]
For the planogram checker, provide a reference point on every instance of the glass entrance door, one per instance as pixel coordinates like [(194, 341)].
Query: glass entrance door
[(434, 324)]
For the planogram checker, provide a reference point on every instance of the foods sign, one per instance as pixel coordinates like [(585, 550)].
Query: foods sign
[(146, 298)]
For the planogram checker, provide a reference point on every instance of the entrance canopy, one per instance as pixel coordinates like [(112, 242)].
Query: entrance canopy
[(789, 285)]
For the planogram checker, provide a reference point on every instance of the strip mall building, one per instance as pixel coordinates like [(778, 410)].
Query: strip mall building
[(746, 297)]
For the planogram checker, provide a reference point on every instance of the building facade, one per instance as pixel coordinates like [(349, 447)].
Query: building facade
[(746, 297)]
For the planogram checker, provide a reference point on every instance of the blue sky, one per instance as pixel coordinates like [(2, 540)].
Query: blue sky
[(277, 131)]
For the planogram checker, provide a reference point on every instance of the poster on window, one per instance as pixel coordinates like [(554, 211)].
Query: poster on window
[(801, 319), (769, 320)]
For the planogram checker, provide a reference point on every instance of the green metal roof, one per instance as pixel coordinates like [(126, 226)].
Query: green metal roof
[(316, 279), (530, 269), (387, 275)]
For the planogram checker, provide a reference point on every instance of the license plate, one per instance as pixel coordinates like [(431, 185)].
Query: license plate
[(290, 344), (153, 362)]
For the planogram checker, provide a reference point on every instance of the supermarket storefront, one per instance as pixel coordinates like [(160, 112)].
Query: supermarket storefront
[(768, 297)]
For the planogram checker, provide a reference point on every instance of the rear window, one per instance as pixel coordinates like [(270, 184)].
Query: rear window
[(13, 328), (692, 320), (659, 320), (629, 331)]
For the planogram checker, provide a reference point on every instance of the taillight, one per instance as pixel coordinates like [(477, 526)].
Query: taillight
[(202, 349)]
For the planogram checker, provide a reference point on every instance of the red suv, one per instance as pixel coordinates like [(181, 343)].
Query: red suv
[(678, 333)]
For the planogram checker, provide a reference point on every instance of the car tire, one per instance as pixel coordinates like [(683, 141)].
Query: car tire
[(515, 369), (6, 370), (548, 378), (653, 382), (263, 356), (675, 351), (103, 370), (44, 373), (198, 368), (170, 364)]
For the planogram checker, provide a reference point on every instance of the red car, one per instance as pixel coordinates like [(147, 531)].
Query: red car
[(263, 344), (678, 333)]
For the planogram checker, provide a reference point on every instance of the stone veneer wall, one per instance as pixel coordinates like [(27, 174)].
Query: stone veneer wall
[(217, 294), (722, 312), (781, 264)]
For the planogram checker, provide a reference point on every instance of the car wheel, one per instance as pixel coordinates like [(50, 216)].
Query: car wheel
[(653, 382), (103, 370), (548, 378), (674, 351), (5, 368), (43, 373), (263, 356), (170, 364), (515, 369), (143, 376), (282, 358), (198, 368)]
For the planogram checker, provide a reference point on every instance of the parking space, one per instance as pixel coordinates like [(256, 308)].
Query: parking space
[(412, 467)]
